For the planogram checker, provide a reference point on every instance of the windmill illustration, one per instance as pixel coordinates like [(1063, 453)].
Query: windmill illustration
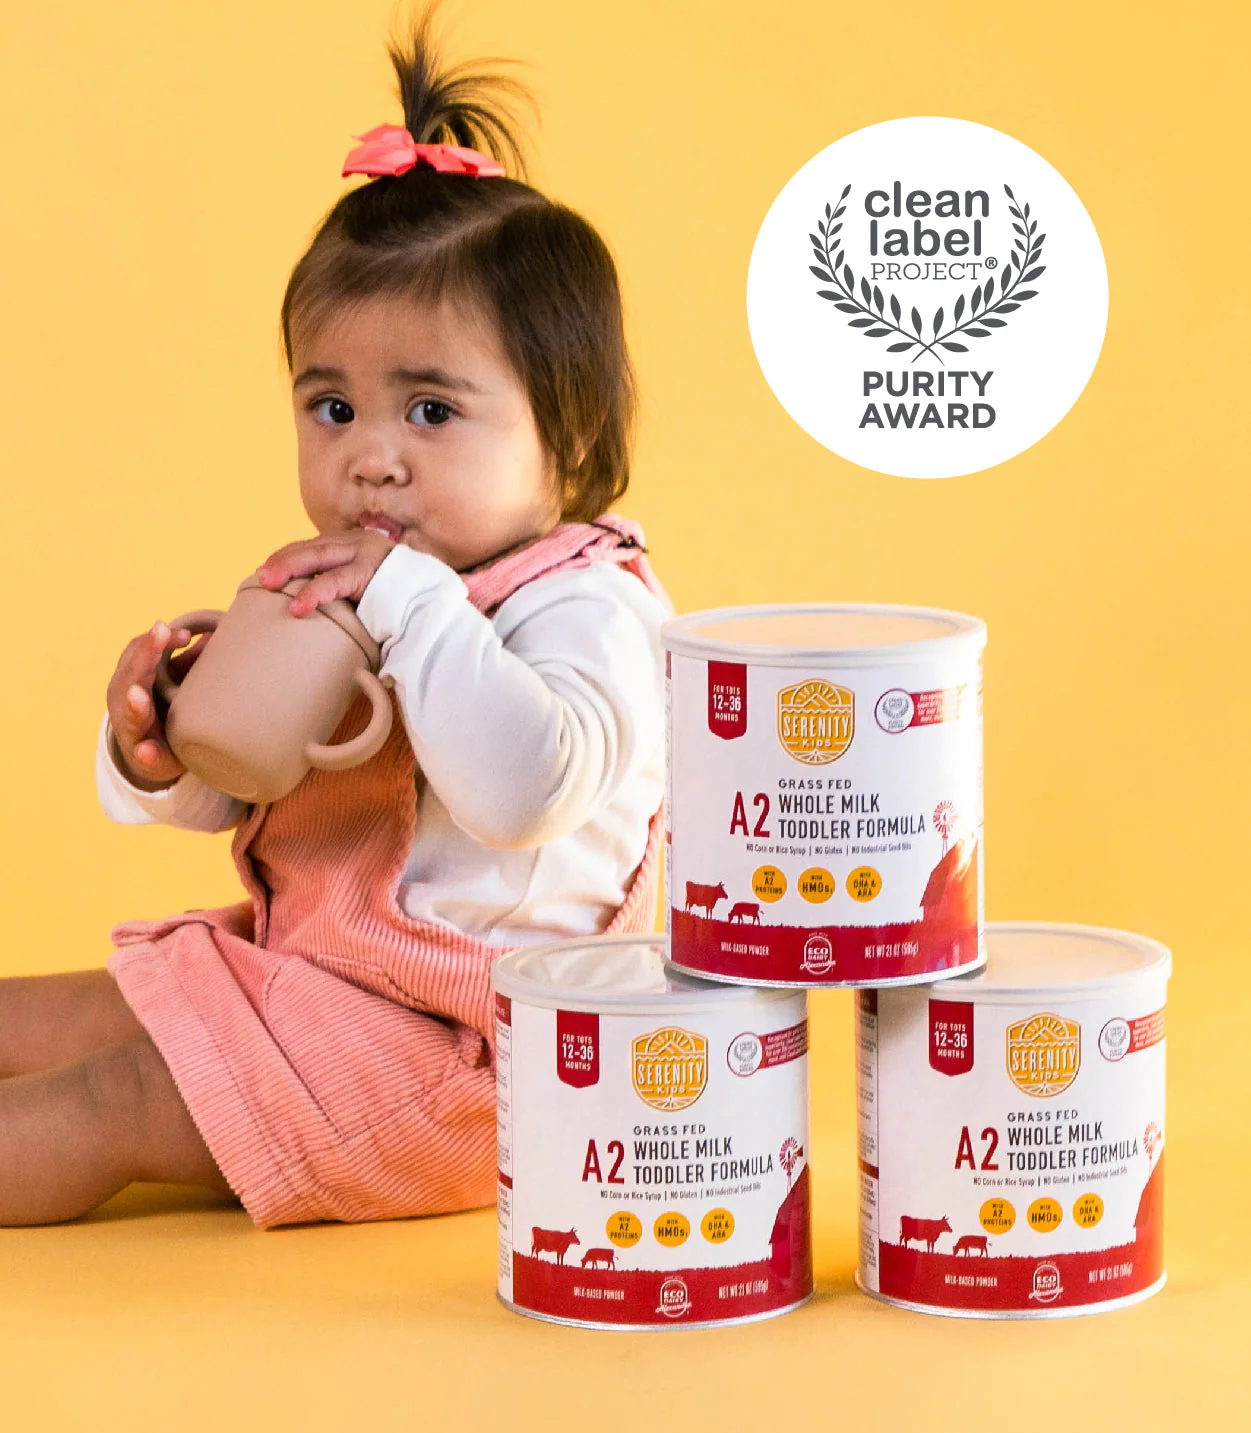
[(789, 1156)]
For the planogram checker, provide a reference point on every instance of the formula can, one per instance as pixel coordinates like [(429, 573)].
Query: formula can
[(653, 1137), (1012, 1129), (825, 794)]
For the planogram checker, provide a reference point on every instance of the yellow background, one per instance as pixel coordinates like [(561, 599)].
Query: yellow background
[(163, 166)]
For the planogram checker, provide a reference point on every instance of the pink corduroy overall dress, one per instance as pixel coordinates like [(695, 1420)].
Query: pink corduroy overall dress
[(334, 1052)]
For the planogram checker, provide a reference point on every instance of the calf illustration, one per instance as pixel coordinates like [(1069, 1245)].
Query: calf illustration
[(599, 1259), (924, 1231), (746, 911), (972, 1244), (553, 1241), (704, 897)]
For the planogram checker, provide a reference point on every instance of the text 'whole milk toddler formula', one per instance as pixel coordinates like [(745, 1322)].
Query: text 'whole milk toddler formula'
[(653, 1137), (825, 794), (1012, 1128)]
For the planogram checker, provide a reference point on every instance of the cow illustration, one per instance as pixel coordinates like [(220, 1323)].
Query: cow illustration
[(553, 1241), (599, 1259), (971, 1244), (704, 897), (924, 1231), (746, 911)]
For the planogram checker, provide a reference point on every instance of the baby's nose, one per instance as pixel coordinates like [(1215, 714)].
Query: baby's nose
[(380, 465)]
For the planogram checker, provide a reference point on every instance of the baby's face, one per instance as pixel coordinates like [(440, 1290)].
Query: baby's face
[(410, 419)]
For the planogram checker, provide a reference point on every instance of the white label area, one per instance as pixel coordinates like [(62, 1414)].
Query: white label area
[(825, 824), (654, 1167), (1011, 1155)]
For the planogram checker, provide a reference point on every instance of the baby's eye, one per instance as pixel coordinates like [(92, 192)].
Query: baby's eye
[(430, 413), (336, 410)]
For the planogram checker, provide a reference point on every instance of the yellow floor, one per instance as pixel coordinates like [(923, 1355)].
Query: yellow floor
[(167, 1309)]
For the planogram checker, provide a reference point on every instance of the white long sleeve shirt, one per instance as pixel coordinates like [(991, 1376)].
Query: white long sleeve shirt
[(539, 739)]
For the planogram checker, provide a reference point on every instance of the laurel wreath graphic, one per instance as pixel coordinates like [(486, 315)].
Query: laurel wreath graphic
[(869, 304)]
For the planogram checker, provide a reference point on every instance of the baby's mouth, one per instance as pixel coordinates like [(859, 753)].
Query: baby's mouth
[(380, 522)]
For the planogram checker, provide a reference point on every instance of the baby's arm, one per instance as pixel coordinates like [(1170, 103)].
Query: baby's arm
[(188, 803), (527, 726)]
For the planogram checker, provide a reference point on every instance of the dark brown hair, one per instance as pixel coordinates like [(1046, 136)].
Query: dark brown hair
[(534, 267)]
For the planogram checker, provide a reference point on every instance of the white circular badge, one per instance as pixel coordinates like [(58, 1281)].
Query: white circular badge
[(927, 297)]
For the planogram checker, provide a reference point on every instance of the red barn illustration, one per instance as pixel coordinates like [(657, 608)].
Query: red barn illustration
[(1150, 1217), (950, 899), (790, 1243)]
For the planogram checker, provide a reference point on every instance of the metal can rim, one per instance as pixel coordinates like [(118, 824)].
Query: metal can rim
[(694, 1326), (696, 992), (1070, 1311), (981, 986), (899, 982), (678, 635)]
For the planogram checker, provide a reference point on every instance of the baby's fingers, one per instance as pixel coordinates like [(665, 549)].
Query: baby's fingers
[(146, 755), (140, 712), (140, 719), (304, 559), (151, 765), (131, 706), (161, 639), (155, 759)]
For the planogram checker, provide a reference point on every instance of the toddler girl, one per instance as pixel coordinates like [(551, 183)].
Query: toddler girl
[(463, 405)]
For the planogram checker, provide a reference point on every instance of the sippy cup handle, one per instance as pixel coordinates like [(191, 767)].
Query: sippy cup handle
[(202, 620), (368, 743)]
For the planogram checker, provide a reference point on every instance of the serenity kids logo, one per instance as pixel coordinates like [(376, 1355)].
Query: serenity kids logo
[(927, 297)]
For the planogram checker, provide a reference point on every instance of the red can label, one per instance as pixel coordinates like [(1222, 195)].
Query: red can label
[(1011, 1157), (653, 1170), (825, 825)]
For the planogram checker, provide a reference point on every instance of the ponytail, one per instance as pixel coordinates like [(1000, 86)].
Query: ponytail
[(458, 105)]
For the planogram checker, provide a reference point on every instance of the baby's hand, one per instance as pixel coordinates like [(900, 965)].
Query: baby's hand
[(341, 564), (147, 761)]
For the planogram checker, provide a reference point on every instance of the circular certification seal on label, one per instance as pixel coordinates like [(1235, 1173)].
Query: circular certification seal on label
[(818, 954), (675, 1298), (745, 1053), (1046, 1285), (1114, 1039), (895, 710), (927, 297)]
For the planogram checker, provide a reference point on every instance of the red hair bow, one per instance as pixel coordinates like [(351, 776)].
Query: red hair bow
[(390, 149)]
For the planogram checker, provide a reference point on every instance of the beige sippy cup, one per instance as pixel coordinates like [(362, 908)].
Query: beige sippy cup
[(254, 711)]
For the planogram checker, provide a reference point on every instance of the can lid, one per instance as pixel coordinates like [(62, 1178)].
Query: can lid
[(823, 634), (620, 973), (1075, 961)]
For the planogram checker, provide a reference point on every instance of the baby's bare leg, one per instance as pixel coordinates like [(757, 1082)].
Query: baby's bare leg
[(73, 1137), (47, 1021)]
